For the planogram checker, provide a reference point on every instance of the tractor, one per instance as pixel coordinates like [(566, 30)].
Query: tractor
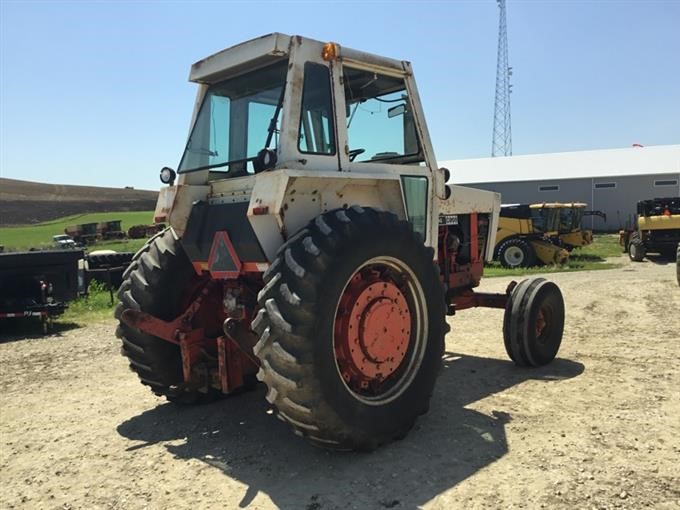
[(525, 236), (314, 245)]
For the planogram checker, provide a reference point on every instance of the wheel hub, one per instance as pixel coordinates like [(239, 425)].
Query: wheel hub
[(514, 255), (373, 325), (540, 323)]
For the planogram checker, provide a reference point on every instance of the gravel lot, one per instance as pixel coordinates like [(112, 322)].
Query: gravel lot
[(598, 428)]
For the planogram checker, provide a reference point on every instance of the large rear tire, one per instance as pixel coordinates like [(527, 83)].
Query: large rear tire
[(351, 329), (677, 263), (533, 322), (155, 281)]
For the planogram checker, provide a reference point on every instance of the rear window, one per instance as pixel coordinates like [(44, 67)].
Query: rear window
[(659, 206)]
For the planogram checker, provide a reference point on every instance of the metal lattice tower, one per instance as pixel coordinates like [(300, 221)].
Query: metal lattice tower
[(501, 145)]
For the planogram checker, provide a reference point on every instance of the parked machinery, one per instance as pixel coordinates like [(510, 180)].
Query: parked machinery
[(656, 229), (571, 233), (86, 233), (524, 235), (142, 231), (313, 242), (90, 233), (38, 283), (111, 229)]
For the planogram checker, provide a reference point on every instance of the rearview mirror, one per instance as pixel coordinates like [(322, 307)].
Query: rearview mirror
[(396, 111)]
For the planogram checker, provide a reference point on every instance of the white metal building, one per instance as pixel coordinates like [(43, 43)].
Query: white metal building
[(611, 181)]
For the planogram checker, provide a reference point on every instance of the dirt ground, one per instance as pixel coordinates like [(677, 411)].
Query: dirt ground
[(598, 428)]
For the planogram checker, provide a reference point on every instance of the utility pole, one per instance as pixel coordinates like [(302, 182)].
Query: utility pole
[(501, 144)]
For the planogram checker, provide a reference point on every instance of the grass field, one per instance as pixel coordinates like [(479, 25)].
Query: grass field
[(40, 235), (91, 308)]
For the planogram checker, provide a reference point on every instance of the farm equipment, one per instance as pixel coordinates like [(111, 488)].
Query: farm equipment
[(656, 230), (570, 233), (38, 283), (86, 233), (106, 267), (110, 229), (313, 243), (525, 234), (91, 233), (142, 231)]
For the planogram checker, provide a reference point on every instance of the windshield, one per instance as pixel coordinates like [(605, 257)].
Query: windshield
[(235, 122), (577, 217), (552, 220), (545, 219), (566, 219)]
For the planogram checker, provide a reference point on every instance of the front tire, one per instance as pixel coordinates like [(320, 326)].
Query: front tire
[(636, 249), (516, 252), (533, 322), (351, 329)]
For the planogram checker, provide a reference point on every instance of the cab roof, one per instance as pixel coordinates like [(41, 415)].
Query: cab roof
[(269, 48)]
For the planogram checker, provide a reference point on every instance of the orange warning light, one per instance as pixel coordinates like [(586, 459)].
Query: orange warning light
[(330, 51)]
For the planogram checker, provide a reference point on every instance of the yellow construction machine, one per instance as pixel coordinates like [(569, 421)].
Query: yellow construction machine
[(524, 235)]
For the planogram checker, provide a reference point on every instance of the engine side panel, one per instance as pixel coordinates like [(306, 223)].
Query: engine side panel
[(464, 200)]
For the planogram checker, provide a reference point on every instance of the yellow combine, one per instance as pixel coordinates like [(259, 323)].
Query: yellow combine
[(570, 233), (524, 236)]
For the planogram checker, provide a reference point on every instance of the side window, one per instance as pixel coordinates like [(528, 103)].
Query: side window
[(415, 194), (317, 131), (380, 124)]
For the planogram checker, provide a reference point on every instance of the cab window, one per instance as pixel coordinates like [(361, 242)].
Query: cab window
[(317, 131), (380, 123), (238, 117)]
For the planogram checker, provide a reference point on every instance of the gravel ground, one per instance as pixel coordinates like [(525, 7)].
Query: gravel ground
[(598, 428)]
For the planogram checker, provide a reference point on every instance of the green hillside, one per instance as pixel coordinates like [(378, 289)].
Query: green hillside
[(40, 235)]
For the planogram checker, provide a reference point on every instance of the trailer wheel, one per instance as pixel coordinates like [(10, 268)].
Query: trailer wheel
[(154, 282), (636, 249), (351, 329), (533, 322), (677, 263), (516, 252)]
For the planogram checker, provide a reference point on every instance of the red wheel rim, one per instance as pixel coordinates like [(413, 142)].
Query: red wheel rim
[(543, 323), (540, 323), (375, 330)]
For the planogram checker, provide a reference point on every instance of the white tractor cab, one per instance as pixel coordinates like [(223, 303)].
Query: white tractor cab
[(313, 242)]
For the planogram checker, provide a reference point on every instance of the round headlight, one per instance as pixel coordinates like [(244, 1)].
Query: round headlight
[(167, 175)]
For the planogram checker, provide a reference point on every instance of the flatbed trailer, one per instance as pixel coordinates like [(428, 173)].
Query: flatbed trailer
[(38, 283)]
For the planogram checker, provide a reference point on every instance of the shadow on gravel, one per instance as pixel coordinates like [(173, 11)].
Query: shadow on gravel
[(30, 328), (659, 259), (241, 437)]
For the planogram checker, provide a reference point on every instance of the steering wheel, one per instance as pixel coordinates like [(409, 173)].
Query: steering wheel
[(355, 152)]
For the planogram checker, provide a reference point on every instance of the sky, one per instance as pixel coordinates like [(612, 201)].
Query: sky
[(96, 93)]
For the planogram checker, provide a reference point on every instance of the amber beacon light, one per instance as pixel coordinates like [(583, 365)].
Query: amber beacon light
[(330, 51)]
